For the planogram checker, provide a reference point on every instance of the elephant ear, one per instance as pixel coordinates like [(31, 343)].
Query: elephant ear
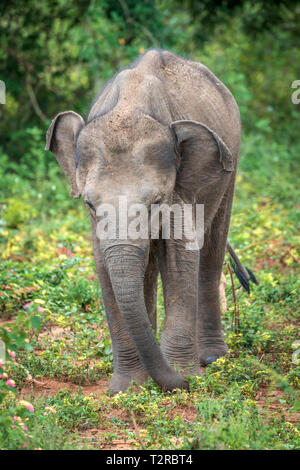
[(204, 156), (60, 140)]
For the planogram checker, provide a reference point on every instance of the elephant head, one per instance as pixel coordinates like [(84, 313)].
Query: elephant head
[(136, 156)]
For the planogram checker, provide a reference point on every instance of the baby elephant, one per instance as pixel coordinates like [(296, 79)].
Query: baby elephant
[(163, 132)]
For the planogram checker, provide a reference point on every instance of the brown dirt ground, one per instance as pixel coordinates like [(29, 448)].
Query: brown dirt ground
[(97, 437), (269, 400), (52, 386)]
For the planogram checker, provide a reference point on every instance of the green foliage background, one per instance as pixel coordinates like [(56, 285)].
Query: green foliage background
[(56, 55)]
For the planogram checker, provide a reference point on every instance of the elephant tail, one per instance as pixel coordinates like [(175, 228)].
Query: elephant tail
[(244, 275)]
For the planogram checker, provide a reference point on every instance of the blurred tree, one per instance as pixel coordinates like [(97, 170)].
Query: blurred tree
[(257, 16), (56, 55), (55, 52), (136, 18), (37, 48)]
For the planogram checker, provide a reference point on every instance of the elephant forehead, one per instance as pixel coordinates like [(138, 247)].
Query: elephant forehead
[(130, 142)]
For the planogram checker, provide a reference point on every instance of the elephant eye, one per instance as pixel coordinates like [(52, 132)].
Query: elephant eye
[(158, 201), (88, 203)]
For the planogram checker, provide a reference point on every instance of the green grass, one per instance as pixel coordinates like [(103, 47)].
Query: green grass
[(51, 301)]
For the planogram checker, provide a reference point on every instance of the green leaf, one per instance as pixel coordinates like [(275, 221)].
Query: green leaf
[(36, 322)]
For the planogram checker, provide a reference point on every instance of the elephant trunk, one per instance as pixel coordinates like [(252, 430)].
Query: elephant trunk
[(126, 267)]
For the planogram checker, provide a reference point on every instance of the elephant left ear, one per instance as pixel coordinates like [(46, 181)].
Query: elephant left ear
[(204, 155)]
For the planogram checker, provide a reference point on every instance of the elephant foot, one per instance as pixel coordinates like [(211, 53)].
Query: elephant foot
[(183, 367), (121, 382), (181, 353), (211, 348)]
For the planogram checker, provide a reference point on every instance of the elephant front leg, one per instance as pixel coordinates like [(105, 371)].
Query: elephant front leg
[(179, 272), (211, 342)]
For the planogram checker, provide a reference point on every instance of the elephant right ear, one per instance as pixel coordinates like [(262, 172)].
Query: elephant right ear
[(60, 140), (204, 156)]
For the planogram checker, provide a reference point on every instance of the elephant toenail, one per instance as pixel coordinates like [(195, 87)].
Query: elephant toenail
[(211, 359)]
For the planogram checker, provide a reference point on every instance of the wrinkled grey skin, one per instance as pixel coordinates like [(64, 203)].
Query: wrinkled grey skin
[(163, 130)]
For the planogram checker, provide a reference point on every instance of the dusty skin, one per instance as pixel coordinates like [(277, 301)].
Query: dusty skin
[(164, 130)]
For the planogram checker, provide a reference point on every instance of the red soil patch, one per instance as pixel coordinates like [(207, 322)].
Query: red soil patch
[(51, 387), (104, 437), (95, 437), (187, 413), (269, 400), (8, 321)]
